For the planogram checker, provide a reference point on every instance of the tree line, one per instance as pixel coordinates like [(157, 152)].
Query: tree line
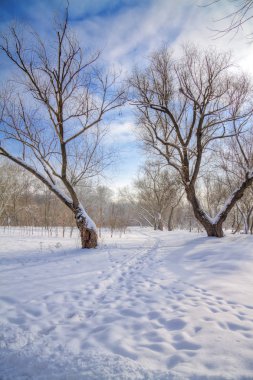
[(154, 200)]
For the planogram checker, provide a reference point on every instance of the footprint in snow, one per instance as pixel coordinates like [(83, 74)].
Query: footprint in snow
[(173, 324), (154, 337), (185, 345), (130, 313), (153, 315), (237, 327), (156, 347), (174, 360)]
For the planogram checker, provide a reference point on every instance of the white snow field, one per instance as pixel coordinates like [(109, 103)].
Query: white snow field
[(147, 305)]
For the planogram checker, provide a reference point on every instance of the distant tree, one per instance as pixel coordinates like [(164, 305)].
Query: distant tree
[(185, 106), (102, 198), (245, 208), (158, 192), (53, 119), (11, 189)]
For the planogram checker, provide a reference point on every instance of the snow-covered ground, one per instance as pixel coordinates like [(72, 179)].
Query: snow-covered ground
[(148, 305)]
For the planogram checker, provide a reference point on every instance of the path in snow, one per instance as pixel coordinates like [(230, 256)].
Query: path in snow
[(146, 306)]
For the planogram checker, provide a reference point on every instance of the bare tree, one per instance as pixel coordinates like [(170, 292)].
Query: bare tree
[(245, 208), (11, 189), (102, 199), (66, 98), (158, 193), (184, 107)]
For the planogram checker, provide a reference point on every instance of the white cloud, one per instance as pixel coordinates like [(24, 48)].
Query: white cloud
[(123, 132)]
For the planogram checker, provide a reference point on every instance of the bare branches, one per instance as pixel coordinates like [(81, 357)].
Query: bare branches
[(242, 14), (158, 193), (200, 100)]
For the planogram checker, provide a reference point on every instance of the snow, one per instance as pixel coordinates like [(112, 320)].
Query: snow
[(82, 214), (56, 189), (147, 305)]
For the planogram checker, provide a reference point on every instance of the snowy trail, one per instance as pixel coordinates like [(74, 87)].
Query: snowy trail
[(149, 305)]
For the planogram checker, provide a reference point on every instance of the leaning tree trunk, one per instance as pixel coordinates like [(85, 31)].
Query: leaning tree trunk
[(87, 228)]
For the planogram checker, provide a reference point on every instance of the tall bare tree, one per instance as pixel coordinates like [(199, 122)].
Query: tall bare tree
[(62, 98), (184, 106)]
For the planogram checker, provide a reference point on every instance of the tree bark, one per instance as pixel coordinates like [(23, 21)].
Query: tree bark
[(89, 238), (160, 225), (87, 228), (214, 230), (159, 222)]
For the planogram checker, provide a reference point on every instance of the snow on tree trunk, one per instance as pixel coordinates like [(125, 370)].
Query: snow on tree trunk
[(87, 228)]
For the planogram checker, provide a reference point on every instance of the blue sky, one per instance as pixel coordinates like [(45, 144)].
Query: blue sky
[(127, 31)]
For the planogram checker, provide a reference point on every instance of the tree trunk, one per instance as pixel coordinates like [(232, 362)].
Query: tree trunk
[(170, 226), (212, 229), (87, 229), (88, 236), (246, 225), (159, 222), (160, 225)]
